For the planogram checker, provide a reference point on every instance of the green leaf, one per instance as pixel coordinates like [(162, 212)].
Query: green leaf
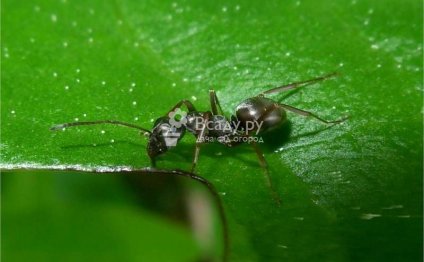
[(349, 192)]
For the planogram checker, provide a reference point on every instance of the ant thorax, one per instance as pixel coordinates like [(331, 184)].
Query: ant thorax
[(215, 125)]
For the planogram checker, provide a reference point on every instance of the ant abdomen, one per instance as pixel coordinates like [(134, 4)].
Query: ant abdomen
[(260, 112)]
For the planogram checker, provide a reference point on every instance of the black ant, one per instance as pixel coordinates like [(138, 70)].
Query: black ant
[(214, 126)]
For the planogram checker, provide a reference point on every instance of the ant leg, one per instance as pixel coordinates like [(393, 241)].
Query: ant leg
[(200, 140), (113, 122), (264, 165), (298, 84), (187, 103), (215, 106), (307, 113)]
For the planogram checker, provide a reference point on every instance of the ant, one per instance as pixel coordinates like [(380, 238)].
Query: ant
[(254, 115)]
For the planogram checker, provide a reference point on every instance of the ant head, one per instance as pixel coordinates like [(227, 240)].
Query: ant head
[(163, 137), (156, 145)]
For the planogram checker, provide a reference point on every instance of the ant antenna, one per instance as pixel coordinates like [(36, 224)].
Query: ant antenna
[(112, 122)]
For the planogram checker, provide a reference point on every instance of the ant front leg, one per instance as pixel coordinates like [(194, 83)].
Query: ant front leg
[(307, 113), (187, 103), (298, 84), (200, 139), (215, 105)]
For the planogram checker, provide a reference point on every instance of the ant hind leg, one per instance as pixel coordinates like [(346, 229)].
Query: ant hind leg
[(264, 165), (298, 84), (307, 113)]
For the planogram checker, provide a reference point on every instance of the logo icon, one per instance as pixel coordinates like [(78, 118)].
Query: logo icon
[(171, 135), (177, 118)]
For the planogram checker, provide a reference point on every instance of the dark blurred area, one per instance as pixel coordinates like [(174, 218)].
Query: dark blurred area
[(77, 216)]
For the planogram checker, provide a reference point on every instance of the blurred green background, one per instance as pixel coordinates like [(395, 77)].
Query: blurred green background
[(352, 192), (75, 216)]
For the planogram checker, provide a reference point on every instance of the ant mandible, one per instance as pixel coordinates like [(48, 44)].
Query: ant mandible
[(259, 109)]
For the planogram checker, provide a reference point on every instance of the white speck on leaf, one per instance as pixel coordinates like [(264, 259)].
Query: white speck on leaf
[(393, 207), (369, 216)]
